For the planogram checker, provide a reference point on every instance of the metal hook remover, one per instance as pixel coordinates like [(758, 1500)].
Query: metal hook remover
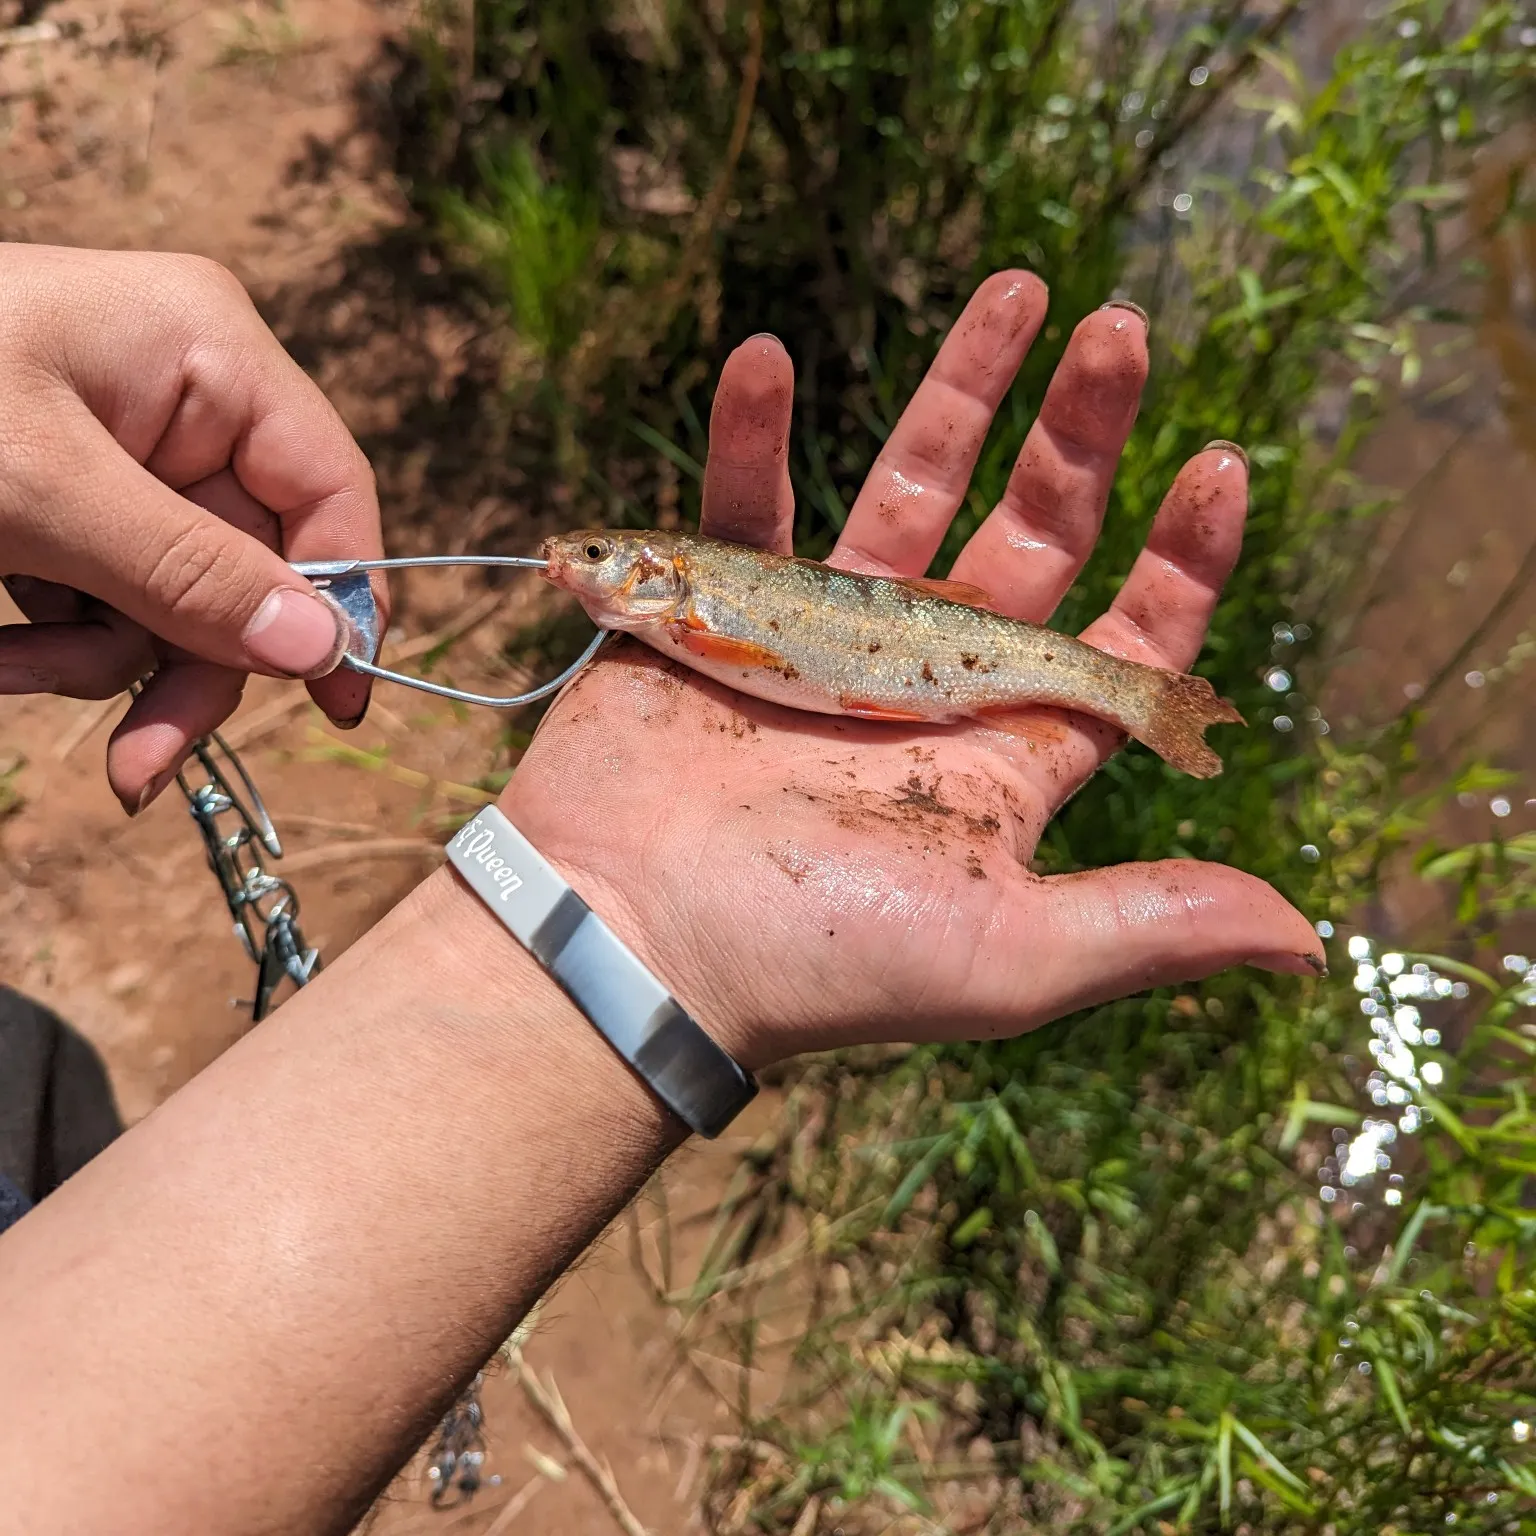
[(346, 583)]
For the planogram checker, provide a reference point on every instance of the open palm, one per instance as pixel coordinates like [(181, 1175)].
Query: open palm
[(805, 881)]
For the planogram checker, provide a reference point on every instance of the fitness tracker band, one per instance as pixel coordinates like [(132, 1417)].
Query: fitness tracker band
[(627, 1005)]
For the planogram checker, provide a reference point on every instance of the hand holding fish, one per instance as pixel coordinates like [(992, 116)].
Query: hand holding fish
[(856, 866)]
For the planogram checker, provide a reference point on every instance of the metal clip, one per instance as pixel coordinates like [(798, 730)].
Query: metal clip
[(263, 906), (346, 583)]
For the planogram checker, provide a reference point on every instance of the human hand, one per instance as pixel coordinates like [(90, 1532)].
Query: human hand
[(805, 881), (161, 458)]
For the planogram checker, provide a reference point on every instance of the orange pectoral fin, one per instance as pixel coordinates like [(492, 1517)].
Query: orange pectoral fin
[(953, 591), (724, 648), (864, 710), (1044, 728)]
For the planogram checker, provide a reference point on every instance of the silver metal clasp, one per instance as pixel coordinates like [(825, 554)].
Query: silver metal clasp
[(346, 583)]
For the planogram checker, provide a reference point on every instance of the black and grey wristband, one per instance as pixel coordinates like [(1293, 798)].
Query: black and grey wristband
[(630, 1008)]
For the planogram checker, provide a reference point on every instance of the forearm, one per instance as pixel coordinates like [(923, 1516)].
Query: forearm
[(309, 1249)]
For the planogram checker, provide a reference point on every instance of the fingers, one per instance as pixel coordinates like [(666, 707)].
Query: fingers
[(1030, 549), (921, 475), (1110, 932), (93, 657), (185, 699), (164, 362), (109, 528), (1166, 604), (1161, 613), (747, 494), (45, 602)]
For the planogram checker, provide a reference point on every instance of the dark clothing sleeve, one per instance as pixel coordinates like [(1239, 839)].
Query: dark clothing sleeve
[(56, 1106)]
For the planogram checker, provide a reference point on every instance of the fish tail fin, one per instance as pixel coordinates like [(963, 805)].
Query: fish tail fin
[(1175, 729)]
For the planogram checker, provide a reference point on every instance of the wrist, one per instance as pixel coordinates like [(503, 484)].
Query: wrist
[(666, 941), (492, 987)]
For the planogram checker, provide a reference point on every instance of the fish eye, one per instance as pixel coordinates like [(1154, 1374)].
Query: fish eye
[(596, 549)]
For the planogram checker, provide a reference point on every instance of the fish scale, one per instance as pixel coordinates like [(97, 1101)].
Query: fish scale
[(912, 651)]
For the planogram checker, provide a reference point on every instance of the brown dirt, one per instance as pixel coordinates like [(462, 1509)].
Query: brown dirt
[(244, 132)]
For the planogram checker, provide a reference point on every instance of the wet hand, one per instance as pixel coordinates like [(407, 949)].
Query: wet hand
[(805, 881), (161, 457)]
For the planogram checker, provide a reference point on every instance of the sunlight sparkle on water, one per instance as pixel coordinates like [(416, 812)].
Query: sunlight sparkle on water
[(1397, 1027)]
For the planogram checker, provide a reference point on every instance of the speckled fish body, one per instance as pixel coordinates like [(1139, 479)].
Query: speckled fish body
[(805, 635)]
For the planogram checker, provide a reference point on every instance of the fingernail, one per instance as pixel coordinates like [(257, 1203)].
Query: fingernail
[(764, 336), (146, 794), (1221, 442), (1135, 309), (353, 723), (1291, 964), (296, 635)]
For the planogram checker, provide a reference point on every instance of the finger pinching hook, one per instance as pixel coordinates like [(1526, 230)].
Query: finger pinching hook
[(346, 584)]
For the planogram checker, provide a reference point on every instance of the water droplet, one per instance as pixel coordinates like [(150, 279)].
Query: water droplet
[(1392, 964), (1431, 1037), (1199, 75), (1309, 853), (1520, 1430), (1393, 1197), (1516, 964), (1364, 1367), (1359, 947), (1500, 806), (1413, 690), (1325, 929), (1475, 679), (1284, 723), (1466, 799), (1302, 631), (1283, 634), (1408, 28), (1528, 37), (1144, 139), (1278, 679), (1460, 989), (1183, 203), (1327, 1194)]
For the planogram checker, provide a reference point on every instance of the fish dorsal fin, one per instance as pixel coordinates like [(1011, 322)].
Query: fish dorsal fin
[(953, 591)]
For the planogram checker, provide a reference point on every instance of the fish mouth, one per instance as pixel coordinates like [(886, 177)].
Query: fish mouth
[(554, 564)]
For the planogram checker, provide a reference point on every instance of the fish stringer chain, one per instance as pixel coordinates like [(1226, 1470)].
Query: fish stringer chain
[(236, 832)]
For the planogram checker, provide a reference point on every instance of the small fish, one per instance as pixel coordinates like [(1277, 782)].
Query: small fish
[(802, 634)]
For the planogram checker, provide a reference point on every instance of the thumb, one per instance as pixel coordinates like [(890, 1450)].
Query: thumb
[(108, 527), (1107, 933)]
